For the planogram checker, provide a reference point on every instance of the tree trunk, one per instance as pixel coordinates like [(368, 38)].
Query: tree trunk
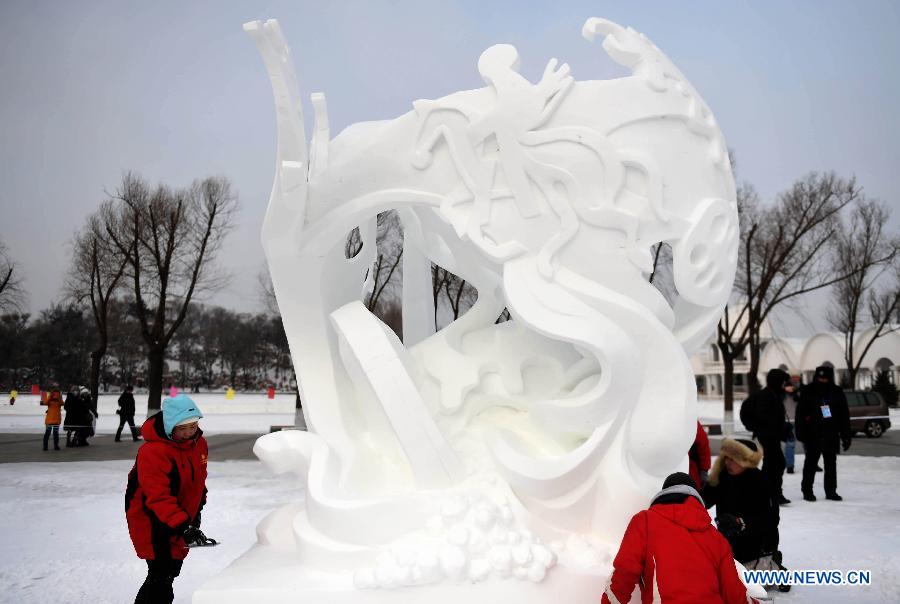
[(753, 385), (155, 360), (96, 361), (728, 393), (851, 376)]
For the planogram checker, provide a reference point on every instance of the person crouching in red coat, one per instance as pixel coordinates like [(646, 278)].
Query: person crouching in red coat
[(675, 553), (165, 494)]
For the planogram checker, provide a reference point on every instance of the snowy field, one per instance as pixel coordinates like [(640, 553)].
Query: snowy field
[(245, 414), (65, 539)]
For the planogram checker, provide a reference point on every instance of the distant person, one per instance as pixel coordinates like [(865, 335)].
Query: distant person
[(165, 495), (790, 433), (87, 415), (53, 418), (822, 424), (72, 408), (12, 396), (126, 414), (699, 459), (673, 552), (764, 415), (746, 511)]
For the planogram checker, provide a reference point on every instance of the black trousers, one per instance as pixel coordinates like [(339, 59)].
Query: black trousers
[(157, 587), (773, 464), (828, 450), (55, 430), (130, 420)]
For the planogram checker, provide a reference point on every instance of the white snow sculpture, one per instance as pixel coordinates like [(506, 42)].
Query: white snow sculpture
[(499, 462)]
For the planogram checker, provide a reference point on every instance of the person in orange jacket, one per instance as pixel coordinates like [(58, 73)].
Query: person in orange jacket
[(53, 418)]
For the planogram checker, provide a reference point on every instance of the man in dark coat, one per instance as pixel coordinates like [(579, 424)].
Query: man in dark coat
[(126, 414), (763, 414), (822, 425)]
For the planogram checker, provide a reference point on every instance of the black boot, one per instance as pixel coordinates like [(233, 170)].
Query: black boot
[(156, 590)]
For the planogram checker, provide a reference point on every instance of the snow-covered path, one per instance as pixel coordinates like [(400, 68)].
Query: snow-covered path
[(65, 540)]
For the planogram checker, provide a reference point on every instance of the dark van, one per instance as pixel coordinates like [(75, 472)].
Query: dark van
[(868, 413)]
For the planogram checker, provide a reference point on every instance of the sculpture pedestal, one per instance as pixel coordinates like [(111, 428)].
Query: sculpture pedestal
[(270, 574)]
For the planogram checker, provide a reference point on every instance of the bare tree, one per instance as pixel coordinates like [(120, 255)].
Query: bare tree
[(94, 277), (170, 238), (783, 255), (12, 296), (267, 292), (383, 277), (439, 278), (662, 276), (866, 251)]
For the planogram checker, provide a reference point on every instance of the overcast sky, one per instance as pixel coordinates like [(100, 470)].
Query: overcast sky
[(175, 90)]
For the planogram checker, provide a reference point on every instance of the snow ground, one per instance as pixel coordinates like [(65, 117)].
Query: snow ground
[(250, 413), (65, 539)]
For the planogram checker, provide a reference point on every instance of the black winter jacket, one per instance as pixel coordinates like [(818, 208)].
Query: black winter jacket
[(126, 402), (811, 425), (766, 414), (749, 497)]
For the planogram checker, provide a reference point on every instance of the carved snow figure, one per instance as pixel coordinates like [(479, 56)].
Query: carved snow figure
[(486, 453)]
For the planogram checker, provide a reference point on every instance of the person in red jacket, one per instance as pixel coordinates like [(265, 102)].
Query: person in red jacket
[(675, 553), (165, 494), (699, 458)]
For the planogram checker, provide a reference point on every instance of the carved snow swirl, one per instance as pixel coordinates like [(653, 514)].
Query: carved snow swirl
[(547, 197)]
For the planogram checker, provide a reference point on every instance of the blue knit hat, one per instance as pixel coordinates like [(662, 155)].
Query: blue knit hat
[(177, 410)]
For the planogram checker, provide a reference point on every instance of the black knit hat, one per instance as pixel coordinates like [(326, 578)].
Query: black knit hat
[(679, 478)]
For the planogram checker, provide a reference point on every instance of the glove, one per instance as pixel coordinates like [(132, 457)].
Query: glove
[(194, 537), (730, 526), (845, 443)]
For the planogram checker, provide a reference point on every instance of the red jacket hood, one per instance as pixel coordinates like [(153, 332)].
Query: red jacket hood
[(153, 430), (690, 514)]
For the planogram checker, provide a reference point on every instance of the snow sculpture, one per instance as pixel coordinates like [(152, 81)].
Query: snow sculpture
[(494, 461)]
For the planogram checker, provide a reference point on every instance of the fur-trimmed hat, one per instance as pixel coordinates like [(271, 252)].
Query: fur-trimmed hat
[(745, 453)]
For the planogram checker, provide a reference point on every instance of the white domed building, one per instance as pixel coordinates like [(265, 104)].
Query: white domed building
[(800, 357)]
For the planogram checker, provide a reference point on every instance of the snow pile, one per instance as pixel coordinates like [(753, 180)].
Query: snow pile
[(471, 539)]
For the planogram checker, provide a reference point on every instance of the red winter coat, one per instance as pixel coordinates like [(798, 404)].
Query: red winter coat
[(678, 557), (699, 458), (166, 491)]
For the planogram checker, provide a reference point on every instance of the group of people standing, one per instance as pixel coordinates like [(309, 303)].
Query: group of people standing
[(821, 422), (81, 416), (673, 551)]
